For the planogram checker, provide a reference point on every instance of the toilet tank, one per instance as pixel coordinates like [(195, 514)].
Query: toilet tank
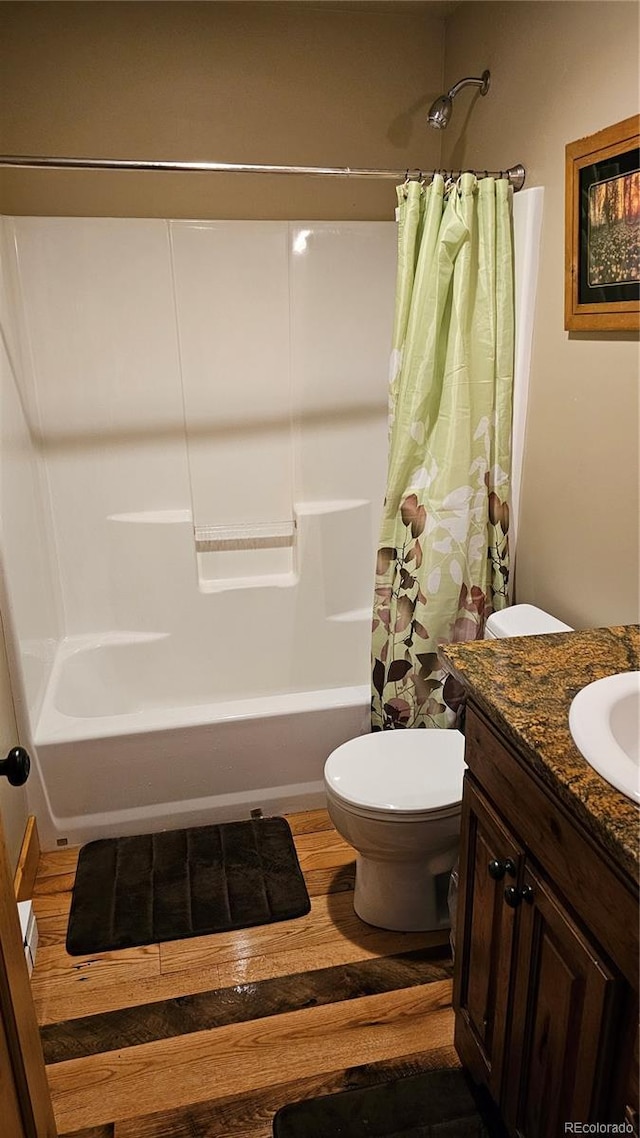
[(522, 620)]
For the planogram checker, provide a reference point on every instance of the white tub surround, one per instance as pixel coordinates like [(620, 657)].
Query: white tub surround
[(29, 592), (211, 403)]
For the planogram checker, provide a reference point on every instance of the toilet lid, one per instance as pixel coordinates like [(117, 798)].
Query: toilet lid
[(409, 771), (523, 620)]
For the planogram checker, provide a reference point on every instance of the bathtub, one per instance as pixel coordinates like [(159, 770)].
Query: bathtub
[(123, 748)]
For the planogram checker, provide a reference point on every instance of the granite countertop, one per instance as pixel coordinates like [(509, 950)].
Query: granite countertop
[(525, 686)]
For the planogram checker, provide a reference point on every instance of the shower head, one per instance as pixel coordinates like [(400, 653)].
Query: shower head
[(440, 110)]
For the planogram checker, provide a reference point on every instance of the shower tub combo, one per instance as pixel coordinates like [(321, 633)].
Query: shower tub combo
[(128, 737)]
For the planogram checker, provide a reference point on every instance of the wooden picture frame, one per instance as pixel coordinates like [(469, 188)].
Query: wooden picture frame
[(602, 230)]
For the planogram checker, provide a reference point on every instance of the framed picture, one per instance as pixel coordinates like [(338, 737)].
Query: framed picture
[(602, 230)]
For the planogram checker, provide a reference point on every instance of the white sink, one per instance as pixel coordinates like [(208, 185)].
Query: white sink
[(604, 719)]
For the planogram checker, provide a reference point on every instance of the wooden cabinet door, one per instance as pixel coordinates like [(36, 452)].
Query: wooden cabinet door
[(490, 859), (565, 1003)]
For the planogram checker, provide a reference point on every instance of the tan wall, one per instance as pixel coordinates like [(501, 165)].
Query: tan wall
[(561, 71), (260, 83), (316, 85)]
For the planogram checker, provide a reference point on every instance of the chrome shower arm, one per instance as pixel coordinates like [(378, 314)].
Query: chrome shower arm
[(483, 83)]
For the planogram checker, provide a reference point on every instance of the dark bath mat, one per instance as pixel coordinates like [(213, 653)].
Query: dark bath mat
[(184, 883), (432, 1104)]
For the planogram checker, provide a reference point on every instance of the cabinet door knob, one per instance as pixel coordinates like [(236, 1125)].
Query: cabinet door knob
[(515, 897), (497, 869)]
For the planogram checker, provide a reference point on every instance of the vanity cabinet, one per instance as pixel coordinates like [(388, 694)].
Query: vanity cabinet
[(545, 987)]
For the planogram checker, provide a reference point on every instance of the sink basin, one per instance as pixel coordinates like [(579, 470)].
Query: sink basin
[(604, 719)]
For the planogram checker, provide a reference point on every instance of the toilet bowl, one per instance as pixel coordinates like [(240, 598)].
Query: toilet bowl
[(396, 797)]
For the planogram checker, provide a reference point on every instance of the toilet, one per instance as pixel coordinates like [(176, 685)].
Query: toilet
[(396, 797)]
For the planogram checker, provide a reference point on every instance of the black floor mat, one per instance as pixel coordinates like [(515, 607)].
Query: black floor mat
[(184, 883), (432, 1104)]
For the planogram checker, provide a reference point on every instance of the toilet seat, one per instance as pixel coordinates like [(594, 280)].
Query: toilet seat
[(406, 775)]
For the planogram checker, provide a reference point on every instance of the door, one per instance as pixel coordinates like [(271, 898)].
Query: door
[(25, 1104), (9, 1102), (490, 859), (565, 1005), (23, 1081)]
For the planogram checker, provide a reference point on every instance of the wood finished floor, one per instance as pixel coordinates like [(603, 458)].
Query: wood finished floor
[(208, 1037)]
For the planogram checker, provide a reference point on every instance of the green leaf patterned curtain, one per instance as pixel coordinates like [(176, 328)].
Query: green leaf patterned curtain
[(443, 553)]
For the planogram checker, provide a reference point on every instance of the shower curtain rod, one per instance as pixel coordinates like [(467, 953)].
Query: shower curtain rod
[(515, 174)]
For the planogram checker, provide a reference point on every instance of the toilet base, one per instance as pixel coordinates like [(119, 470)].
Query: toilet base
[(404, 896)]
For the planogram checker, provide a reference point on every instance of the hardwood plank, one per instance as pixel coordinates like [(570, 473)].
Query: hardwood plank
[(52, 916), (67, 999), (107, 1131), (55, 883), (27, 867), (323, 850), (58, 974), (183, 1015), (52, 930), (178, 1072), (251, 1115), (305, 825), (323, 881), (66, 1002), (102, 967), (51, 904), (331, 920), (252, 969), (55, 863), (309, 821)]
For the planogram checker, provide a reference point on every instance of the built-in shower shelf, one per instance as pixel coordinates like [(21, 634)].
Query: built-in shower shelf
[(329, 505), (249, 535), (249, 555), (266, 581), (153, 517), (352, 616)]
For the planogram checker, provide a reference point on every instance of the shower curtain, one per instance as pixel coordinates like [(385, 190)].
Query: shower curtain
[(443, 561)]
